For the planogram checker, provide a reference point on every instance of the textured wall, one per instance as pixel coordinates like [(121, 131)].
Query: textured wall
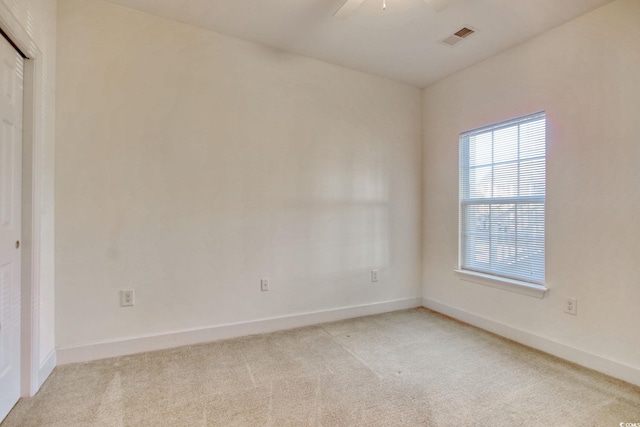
[(191, 164), (585, 75)]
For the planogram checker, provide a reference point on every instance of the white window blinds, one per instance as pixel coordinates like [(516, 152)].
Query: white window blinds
[(502, 198)]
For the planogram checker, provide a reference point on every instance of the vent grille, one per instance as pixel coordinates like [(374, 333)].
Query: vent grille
[(464, 32), (458, 36)]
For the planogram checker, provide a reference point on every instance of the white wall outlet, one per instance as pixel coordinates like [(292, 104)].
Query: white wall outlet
[(264, 285), (374, 275), (127, 298), (571, 306)]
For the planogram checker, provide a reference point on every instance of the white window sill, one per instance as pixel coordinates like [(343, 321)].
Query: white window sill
[(530, 289)]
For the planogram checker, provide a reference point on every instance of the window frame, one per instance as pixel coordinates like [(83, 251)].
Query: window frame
[(493, 278)]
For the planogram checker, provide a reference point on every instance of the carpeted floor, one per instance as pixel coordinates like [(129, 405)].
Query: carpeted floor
[(408, 368)]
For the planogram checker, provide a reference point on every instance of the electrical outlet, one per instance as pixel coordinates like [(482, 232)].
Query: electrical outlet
[(127, 298), (571, 306), (264, 285), (374, 275)]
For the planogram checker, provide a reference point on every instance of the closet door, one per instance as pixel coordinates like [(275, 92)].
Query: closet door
[(11, 93)]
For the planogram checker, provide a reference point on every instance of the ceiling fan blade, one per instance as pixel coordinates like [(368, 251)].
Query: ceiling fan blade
[(348, 6), (438, 5)]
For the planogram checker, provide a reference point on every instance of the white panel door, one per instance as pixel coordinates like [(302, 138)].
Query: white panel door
[(11, 75)]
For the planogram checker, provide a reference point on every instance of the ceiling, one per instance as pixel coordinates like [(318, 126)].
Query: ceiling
[(401, 42)]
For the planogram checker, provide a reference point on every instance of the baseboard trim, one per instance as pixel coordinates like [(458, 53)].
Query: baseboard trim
[(114, 348), (588, 360)]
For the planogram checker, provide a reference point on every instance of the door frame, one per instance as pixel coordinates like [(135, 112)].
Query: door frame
[(34, 368)]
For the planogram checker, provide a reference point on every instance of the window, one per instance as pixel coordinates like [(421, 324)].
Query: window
[(502, 199)]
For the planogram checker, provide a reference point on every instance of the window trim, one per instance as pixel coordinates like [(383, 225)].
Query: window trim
[(517, 286), (533, 289)]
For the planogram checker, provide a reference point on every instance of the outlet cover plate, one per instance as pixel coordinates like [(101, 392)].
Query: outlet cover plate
[(127, 298), (374, 275), (571, 306)]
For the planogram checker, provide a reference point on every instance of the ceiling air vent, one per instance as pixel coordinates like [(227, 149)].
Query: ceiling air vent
[(458, 36)]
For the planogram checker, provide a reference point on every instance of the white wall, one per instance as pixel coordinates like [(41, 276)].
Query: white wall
[(191, 164), (32, 23), (585, 75)]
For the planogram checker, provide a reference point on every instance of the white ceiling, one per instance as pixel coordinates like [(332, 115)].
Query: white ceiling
[(401, 42)]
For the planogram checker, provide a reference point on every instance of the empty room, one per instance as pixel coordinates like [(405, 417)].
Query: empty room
[(320, 213)]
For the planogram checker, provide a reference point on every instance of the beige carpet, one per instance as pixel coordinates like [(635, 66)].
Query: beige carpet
[(408, 368)]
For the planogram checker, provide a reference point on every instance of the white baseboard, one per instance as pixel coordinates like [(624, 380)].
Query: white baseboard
[(589, 360), (106, 349)]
